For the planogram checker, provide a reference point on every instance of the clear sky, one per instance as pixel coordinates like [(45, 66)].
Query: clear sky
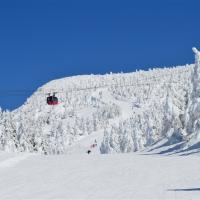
[(41, 40)]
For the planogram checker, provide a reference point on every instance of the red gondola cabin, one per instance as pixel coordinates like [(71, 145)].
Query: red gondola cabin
[(52, 100)]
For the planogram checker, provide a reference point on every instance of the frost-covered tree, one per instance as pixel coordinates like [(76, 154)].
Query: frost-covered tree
[(192, 116), (131, 108)]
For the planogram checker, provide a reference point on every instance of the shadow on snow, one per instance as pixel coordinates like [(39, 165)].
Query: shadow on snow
[(185, 190)]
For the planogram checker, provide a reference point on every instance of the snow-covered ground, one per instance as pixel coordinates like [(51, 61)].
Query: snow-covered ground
[(142, 128), (119, 176)]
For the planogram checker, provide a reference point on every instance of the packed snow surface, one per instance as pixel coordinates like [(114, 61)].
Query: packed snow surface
[(119, 176)]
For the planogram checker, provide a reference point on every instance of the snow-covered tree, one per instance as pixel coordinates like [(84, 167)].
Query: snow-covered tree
[(192, 115), (133, 109)]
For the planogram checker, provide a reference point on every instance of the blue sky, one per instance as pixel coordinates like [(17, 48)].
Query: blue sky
[(41, 40)]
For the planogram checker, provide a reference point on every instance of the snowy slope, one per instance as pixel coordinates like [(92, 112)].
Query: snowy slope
[(152, 113), (122, 176), (121, 112)]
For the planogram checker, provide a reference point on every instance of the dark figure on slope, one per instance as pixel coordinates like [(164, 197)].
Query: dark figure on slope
[(88, 151)]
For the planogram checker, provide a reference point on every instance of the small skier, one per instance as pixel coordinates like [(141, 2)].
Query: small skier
[(89, 151), (94, 144)]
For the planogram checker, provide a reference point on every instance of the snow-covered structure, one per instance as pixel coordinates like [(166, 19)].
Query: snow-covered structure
[(123, 112)]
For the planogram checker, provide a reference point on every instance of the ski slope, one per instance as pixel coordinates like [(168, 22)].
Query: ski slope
[(142, 128), (119, 176), (82, 146)]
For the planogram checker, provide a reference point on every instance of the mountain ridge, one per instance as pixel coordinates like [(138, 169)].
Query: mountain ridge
[(130, 111)]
